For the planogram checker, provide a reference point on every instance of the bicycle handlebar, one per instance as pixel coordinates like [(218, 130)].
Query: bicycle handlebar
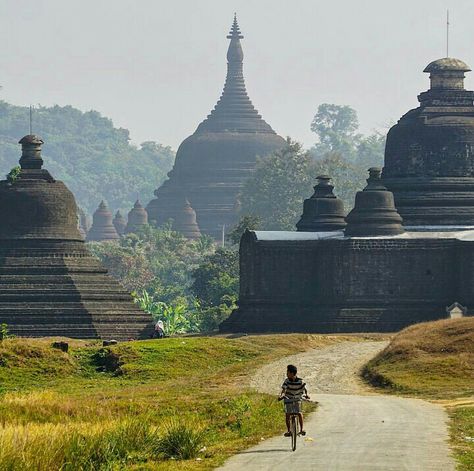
[(303, 398)]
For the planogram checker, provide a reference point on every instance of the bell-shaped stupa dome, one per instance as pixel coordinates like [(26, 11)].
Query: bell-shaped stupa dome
[(51, 285), (185, 221), (428, 155), (119, 223), (374, 212), (324, 211), (102, 227), (137, 217)]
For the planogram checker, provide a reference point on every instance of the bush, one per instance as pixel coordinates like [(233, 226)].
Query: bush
[(181, 441)]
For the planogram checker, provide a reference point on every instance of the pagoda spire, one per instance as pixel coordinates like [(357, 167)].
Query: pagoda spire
[(234, 32), (234, 111)]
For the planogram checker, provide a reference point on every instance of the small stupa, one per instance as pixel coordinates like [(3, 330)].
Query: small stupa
[(185, 221), (102, 229), (324, 211), (119, 223), (374, 212), (83, 222), (50, 284), (137, 217)]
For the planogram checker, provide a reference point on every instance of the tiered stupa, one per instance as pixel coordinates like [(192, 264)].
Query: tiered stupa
[(323, 211), (50, 285), (374, 212), (429, 163), (185, 221), (137, 217), (102, 229), (119, 223), (212, 165)]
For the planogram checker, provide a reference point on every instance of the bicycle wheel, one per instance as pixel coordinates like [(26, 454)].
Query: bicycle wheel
[(294, 432)]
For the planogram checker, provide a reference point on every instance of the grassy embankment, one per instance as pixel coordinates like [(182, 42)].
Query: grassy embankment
[(434, 360), (137, 405)]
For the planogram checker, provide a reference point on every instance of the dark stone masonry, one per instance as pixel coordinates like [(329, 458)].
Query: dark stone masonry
[(50, 285), (402, 258)]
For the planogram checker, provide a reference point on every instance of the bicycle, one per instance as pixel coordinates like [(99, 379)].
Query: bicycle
[(294, 424)]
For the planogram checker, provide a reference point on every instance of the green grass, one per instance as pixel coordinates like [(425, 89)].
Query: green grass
[(434, 360), (462, 435), (112, 408)]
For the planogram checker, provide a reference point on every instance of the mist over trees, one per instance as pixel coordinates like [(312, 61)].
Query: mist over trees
[(281, 181), (84, 150)]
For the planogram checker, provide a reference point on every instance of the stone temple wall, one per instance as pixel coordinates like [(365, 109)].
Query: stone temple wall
[(307, 286)]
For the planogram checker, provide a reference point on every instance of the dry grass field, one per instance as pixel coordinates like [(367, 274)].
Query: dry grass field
[(180, 403)]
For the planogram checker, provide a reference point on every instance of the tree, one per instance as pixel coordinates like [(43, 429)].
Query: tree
[(188, 284), (342, 153), (93, 158), (217, 278), (216, 287), (276, 190), (347, 177), (335, 127), (370, 152), (250, 222)]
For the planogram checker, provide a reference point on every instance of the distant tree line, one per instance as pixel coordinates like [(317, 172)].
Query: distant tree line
[(93, 158)]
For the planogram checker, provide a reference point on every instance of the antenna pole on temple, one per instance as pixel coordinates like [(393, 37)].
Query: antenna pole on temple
[(31, 120), (447, 33)]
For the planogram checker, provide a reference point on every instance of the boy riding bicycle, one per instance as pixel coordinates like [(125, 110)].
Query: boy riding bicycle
[(293, 390)]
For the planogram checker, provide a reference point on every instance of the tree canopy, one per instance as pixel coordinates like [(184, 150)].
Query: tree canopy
[(93, 158), (276, 190), (282, 181)]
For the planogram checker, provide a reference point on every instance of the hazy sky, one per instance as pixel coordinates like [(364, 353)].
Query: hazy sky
[(158, 67)]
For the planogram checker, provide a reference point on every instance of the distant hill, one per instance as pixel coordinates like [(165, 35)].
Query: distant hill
[(84, 150)]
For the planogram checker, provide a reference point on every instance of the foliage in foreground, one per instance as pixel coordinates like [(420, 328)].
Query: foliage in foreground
[(78, 416), (191, 285)]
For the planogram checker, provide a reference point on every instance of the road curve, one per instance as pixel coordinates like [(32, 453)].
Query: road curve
[(353, 429)]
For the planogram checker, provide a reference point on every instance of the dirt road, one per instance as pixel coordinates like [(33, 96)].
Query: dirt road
[(353, 428)]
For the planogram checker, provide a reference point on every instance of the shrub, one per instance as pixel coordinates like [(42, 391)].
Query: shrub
[(13, 175), (181, 441)]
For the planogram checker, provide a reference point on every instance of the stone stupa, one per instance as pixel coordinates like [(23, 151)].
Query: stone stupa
[(185, 221), (324, 211), (428, 156), (102, 229), (137, 217), (119, 223), (374, 212), (213, 164), (50, 284)]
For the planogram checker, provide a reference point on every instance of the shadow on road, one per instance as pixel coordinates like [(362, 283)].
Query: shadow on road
[(264, 451)]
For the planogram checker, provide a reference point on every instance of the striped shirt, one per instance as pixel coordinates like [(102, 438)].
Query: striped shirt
[(293, 390)]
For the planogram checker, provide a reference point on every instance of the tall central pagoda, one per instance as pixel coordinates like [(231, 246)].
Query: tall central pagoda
[(213, 164)]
